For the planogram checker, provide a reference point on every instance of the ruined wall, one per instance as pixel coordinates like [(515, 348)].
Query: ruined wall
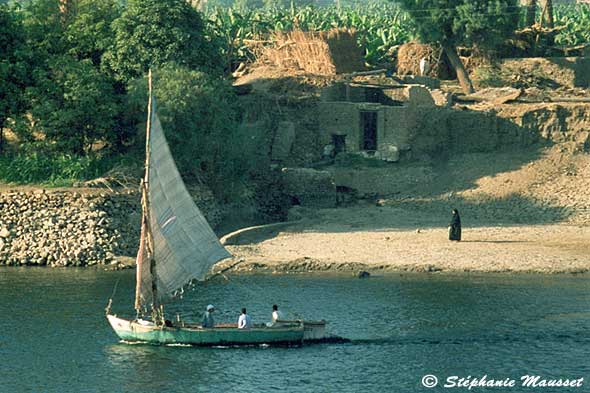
[(289, 126)]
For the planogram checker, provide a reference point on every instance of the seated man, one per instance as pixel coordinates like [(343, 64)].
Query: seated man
[(276, 314), (245, 321), (208, 321)]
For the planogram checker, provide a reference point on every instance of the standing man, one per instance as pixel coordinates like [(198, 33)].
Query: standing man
[(208, 321), (245, 321)]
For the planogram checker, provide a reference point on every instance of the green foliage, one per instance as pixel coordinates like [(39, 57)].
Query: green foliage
[(90, 34), (201, 119), (13, 64), (484, 23), (45, 27), (357, 161), (381, 27), (576, 20), (74, 104), (150, 33), (51, 170)]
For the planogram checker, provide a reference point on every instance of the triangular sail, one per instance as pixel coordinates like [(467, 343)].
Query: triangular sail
[(184, 245)]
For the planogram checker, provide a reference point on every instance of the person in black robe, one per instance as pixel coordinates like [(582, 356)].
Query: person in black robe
[(455, 226)]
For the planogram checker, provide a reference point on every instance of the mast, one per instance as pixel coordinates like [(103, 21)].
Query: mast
[(146, 242), (146, 182)]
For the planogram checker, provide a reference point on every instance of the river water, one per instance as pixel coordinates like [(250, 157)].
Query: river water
[(54, 337)]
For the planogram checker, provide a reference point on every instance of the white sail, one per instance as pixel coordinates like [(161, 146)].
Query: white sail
[(184, 245)]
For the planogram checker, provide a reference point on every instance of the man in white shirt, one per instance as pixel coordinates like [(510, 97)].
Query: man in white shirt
[(245, 321), (276, 314)]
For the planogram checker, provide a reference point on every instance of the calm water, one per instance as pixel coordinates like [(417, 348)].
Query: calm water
[(54, 338)]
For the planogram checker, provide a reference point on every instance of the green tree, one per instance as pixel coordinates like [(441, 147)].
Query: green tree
[(89, 33), (153, 32), (202, 123), (13, 66), (45, 28), (74, 105), (484, 23)]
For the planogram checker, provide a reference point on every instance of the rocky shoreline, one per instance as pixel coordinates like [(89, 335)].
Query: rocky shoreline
[(74, 227), (63, 228)]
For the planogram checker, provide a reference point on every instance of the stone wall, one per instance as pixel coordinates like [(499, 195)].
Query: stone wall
[(74, 228)]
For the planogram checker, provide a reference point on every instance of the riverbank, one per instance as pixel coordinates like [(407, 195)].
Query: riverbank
[(388, 239), (521, 212)]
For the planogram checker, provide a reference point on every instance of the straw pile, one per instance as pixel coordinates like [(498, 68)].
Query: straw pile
[(410, 54), (324, 53)]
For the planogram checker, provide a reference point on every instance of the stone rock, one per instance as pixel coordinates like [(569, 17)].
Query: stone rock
[(388, 152), (418, 96), (442, 98), (4, 233)]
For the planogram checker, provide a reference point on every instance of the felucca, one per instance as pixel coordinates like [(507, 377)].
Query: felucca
[(177, 246)]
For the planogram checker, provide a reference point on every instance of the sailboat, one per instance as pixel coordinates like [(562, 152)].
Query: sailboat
[(177, 247)]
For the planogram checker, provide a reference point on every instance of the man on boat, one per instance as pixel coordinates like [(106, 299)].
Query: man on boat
[(276, 314), (208, 321), (245, 321)]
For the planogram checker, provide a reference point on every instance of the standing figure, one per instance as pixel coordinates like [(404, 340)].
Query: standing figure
[(208, 321), (245, 321), (455, 226), (424, 66)]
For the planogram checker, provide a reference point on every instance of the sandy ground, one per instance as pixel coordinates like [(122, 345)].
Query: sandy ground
[(523, 212), (360, 241)]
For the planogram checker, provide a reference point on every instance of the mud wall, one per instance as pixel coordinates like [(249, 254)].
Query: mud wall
[(566, 124), (567, 72)]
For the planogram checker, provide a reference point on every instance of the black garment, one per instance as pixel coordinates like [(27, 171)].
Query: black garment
[(455, 227)]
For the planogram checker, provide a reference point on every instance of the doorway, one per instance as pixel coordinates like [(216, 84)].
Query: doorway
[(339, 142), (369, 130)]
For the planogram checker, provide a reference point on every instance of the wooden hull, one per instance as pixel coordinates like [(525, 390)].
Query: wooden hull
[(312, 330), (134, 331)]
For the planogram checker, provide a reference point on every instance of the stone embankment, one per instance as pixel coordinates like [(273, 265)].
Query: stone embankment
[(74, 227), (67, 228)]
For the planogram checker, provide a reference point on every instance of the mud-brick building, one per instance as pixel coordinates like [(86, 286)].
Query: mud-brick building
[(380, 120)]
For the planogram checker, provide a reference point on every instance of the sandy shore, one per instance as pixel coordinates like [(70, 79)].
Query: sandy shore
[(382, 239)]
